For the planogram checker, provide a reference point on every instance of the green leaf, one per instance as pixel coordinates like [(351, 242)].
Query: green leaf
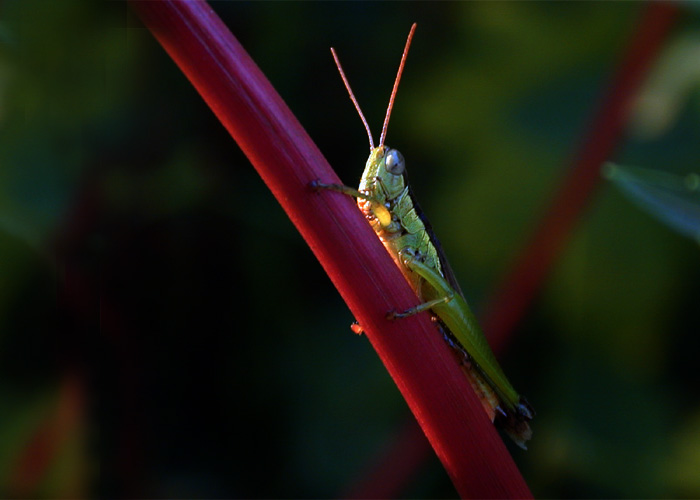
[(673, 199)]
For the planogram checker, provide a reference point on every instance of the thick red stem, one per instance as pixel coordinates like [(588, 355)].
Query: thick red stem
[(413, 352)]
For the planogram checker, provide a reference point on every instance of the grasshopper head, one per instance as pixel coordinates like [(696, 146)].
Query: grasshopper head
[(384, 173)]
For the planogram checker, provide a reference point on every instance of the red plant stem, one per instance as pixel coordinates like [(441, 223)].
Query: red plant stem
[(415, 355), (518, 289)]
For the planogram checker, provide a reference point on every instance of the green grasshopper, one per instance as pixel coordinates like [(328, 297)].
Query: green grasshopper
[(387, 202)]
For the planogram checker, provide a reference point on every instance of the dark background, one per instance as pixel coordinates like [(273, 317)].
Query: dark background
[(164, 331)]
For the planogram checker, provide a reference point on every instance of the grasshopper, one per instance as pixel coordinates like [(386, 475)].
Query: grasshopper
[(386, 199)]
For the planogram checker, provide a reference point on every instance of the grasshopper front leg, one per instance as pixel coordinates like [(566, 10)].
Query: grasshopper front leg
[(340, 188)]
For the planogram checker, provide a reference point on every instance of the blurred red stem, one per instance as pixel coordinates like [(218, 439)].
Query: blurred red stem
[(519, 288), (413, 352), (45, 445)]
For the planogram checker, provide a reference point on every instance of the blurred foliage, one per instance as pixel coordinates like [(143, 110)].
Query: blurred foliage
[(673, 199), (144, 265)]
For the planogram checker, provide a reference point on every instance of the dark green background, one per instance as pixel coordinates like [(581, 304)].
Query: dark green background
[(215, 353)]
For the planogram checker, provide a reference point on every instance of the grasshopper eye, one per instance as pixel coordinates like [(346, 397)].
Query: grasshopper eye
[(394, 162)]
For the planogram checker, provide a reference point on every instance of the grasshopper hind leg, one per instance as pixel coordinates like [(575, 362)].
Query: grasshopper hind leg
[(419, 308), (413, 263)]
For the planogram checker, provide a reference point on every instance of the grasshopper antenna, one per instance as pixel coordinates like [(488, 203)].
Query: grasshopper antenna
[(396, 84), (352, 97)]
